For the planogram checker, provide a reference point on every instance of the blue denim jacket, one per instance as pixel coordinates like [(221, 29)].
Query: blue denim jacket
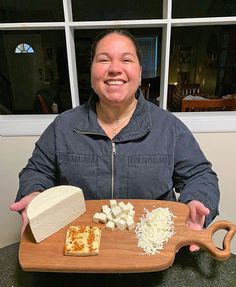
[(153, 156)]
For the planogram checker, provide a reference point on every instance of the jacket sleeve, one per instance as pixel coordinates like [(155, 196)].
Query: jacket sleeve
[(41, 171), (194, 178)]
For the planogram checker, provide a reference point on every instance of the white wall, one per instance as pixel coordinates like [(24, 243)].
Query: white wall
[(220, 149), (15, 151)]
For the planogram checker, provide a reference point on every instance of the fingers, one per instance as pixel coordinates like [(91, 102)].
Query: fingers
[(194, 248), (17, 206), (24, 222), (197, 207), (23, 203), (194, 225), (22, 206), (201, 209), (198, 212)]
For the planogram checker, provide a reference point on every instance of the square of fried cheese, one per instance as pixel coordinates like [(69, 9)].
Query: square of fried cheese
[(82, 240)]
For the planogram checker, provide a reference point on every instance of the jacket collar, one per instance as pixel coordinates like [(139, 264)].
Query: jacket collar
[(139, 125)]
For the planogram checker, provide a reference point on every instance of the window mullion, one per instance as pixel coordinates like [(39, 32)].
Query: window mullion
[(165, 55), (177, 22), (67, 11), (70, 46), (71, 57)]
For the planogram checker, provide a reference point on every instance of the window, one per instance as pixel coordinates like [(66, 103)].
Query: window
[(194, 9), (191, 46), (24, 11), (40, 63), (105, 10), (202, 73), (149, 48), (24, 48)]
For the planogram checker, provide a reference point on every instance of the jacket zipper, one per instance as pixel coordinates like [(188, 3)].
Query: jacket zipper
[(112, 159), (113, 169)]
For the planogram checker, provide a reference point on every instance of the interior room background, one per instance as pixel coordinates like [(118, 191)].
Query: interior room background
[(189, 54)]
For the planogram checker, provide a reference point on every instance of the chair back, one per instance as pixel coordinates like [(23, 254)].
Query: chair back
[(43, 105), (208, 105)]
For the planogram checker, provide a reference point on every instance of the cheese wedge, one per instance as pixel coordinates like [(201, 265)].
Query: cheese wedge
[(53, 209)]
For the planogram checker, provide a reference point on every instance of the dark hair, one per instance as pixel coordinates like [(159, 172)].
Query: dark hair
[(122, 32)]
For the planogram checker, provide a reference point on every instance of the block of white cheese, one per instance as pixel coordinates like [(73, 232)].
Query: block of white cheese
[(54, 208)]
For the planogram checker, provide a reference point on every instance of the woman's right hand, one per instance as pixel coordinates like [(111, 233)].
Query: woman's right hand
[(21, 206)]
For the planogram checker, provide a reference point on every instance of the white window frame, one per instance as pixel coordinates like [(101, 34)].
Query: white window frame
[(205, 122)]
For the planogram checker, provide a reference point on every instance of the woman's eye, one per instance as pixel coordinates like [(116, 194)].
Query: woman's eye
[(127, 60), (103, 60)]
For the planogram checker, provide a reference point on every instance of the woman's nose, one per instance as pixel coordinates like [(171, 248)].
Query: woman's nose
[(115, 67)]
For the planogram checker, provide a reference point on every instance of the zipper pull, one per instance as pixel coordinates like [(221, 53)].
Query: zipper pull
[(113, 148)]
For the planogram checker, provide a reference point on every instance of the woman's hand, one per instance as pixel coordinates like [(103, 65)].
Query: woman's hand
[(21, 206), (198, 213)]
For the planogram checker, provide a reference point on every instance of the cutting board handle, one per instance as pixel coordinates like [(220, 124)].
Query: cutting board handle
[(204, 238), (221, 254)]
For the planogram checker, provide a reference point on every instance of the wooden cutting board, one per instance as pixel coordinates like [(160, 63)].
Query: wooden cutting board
[(118, 250)]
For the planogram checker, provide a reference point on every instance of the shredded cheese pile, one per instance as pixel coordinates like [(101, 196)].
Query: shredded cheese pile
[(154, 230)]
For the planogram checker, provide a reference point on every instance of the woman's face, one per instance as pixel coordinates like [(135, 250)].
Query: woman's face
[(115, 70)]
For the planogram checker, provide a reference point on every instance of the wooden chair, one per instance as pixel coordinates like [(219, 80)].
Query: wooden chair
[(45, 99), (177, 92), (208, 105), (151, 88), (43, 105), (145, 88), (190, 89)]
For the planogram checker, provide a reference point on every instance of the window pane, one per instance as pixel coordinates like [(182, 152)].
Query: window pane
[(192, 9), (41, 71), (103, 10), (202, 67), (31, 11), (150, 44)]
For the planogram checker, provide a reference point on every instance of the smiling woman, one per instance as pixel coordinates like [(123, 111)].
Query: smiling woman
[(115, 78), (134, 148), (65, 30)]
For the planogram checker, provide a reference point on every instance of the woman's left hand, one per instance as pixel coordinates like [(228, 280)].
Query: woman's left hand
[(198, 213)]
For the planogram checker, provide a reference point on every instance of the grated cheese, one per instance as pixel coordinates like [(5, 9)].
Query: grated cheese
[(154, 230)]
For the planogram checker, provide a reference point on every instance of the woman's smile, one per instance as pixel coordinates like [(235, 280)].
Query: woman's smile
[(115, 82)]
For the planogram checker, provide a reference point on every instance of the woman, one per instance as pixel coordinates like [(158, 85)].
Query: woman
[(120, 146)]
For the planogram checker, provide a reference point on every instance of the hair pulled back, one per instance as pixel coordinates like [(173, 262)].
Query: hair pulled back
[(122, 32)]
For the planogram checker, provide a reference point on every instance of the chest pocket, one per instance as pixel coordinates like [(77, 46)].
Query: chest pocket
[(149, 176), (148, 161), (79, 170)]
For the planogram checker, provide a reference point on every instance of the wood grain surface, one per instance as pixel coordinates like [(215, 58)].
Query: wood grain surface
[(118, 250)]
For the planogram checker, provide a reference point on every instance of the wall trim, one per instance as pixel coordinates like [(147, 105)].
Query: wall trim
[(34, 125)]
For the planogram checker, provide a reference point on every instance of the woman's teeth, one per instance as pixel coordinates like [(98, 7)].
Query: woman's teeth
[(118, 83)]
